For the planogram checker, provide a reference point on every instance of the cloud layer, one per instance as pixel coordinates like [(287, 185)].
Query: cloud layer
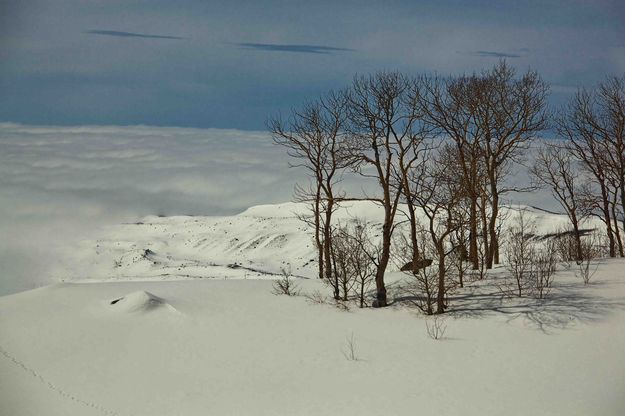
[(116, 33), (58, 185), (493, 54), (274, 47)]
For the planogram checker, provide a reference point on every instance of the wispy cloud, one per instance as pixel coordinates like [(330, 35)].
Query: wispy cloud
[(276, 47), (130, 34), (493, 54)]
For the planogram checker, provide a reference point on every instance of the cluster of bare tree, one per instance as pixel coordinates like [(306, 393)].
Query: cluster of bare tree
[(441, 149), (585, 170)]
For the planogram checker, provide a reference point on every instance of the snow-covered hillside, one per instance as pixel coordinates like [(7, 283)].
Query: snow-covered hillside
[(256, 243)]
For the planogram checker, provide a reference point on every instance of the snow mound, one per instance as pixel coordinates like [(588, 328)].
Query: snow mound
[(139, 301)]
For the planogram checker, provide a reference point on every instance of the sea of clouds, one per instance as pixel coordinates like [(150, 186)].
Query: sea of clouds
[(59, 185)]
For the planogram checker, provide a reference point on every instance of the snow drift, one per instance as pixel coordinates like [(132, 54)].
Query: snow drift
[(140, 301)]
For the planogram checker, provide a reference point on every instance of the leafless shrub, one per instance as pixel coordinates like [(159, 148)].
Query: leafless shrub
[(286, 284), (519, 254), (349, 349), (591, 248), (481, 272), (342, 262), (587, 268), (425, 273), (341, 305), (460, 254), (544, 269), (425, 283), (435, 327), (365, 255), (316, 297), (424, 280), (532, 264), (566, 245), (602, 245)]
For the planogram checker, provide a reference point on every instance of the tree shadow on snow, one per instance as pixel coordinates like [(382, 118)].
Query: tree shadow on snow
[(566, 304)]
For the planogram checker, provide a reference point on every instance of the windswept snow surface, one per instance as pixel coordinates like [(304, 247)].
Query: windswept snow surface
[(171, 329)]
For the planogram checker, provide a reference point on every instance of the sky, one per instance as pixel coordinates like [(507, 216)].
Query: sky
[(231, 64)]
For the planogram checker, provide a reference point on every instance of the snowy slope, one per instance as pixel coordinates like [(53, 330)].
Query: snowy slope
[(254, 244)]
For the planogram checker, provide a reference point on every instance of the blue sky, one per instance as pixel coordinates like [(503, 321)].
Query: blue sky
[(231, 64)]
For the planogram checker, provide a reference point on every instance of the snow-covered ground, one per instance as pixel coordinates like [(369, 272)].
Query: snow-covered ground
[(176, 316)]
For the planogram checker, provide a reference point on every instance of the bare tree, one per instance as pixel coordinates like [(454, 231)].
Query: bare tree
[(449, 105), (509, 113), (438, 193), (616, 211), (599, 117), (314, 137), (554, 168), (576, 124), (382, 118), (608, 119), (491, 117)]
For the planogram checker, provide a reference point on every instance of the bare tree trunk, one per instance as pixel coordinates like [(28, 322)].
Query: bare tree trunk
[(317, 214), (384, 258), (473, 254), (485, 233), (492, 225), (362, 294), (327, 245), (496, 244), (605, 207), (579, 255), (440, 295), (617, 232), (622, 190), (413, 235)]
